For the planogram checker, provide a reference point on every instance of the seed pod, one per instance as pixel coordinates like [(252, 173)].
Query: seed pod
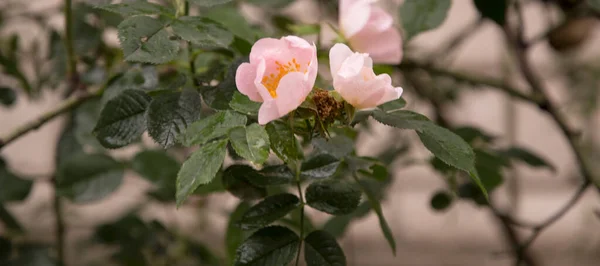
[(571, 34)]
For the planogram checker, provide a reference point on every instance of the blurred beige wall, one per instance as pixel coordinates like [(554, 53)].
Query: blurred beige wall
[(464, 235)]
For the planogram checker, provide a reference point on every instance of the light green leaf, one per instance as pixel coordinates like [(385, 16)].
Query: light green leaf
[(251, 142), (170, 114), (493, 9), (270, 3), (209, 3), (146, 40), (270, 246), (269, 210), (376, 206), (335, 197), (283, 141), (320, 166), (231, 18), (321, 249), (122, 120), (237, 181), (241, 103), (234, 236), (136, 8), (89, 177), (214, 126), (203, 32), (200, 169), (422, 15)]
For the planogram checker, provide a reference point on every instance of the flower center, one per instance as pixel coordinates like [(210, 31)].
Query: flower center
[(271, 82)]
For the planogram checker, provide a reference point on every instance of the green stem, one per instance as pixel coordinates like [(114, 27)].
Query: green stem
[(60, 227), (71, 60), (301, 212)]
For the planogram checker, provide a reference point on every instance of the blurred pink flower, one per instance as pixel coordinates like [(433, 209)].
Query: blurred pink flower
[(369, 29), (355, 81), (281, 73)]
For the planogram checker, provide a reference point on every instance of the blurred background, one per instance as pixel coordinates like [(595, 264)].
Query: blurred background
[(462, 234)]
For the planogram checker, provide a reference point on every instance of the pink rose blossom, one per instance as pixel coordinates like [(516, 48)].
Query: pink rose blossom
[(355, 81), (369, 29), (281, 73)]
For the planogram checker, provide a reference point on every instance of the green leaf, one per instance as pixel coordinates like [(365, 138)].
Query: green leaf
[(7, 96), (159, 168), (89, 177), (321, 249), (200, 169), (270, 246), (241, 103), (122, 120), (337, 225), (489, 168), (214, 126), (85, 118), (319, 167), (231, 18), (136, 8), (139, 78), (13, 188), (33, 255), (146, 40), (336, 197), (68, 145), (528, 157), (251, 142), (283, 141), (339, 146), (401, 119), (492, 9), (472, 134), (393, 106), (11, 224), (594, 4), (441, 200), (422, 15), (203, 32), (269, 210), (234, 236), (170, 114), (270, 3), (237, 180), (209, 3), (376, 206)]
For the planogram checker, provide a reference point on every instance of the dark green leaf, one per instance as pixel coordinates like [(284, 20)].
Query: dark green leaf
[(89, 177), (320, 166), (441, 200), (251, 142), (321, 249), (274, 175), (160, 169), (7, 96), (338, 146), (200, 169), (136, 8), (139, 78), (422, 15), (170, 114), (269, 210), (401, 119), (202, 32), (489, 168), (5, 247), (472, 134), (241, 103), (209, 3), (33, 255), (218, 97), (234, 236), (594, 4), (376, 206), (271, 3), (13, 188), (212, 127), (493, 9), (283, 141), (237, 180), (270, 246), (68, 145), (122, 120), (335, 197), (528, 157), (146, 40)]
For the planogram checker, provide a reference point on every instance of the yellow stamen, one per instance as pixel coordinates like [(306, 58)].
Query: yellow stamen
[(271, 82)]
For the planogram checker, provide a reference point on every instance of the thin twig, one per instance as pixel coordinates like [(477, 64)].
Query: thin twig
[(60, 227), (301, 213), (71, 59)]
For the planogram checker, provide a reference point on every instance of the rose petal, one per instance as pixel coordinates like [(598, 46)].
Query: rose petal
[(245, 77), (337, 55), (392, 93), (383, 47), (291, 92), (354, 17)]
